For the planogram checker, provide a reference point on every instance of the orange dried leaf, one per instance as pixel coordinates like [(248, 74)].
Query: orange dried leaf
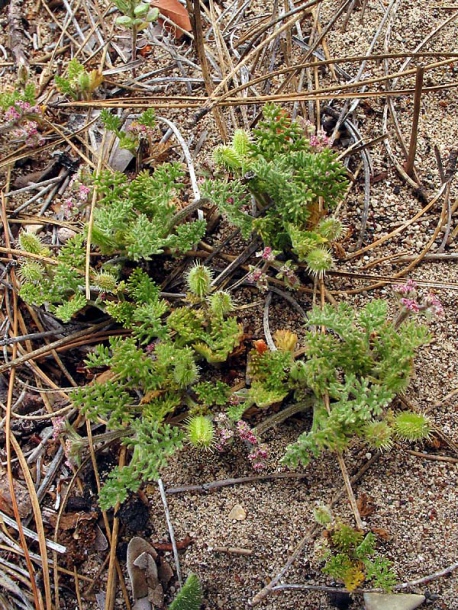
[(176, 12), (381, 533), (260, 346), (365, 505)]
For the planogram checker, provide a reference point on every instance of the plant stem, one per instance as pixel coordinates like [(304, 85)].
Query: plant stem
[(348, 487), (278, 418), (134, 46)]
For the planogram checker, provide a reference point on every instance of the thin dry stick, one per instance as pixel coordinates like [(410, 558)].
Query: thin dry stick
[(429, 578), (200, 48), (385, 238), (46, 349), (9, 442), (106, 523), (432, 457), (54, 546), (123, 102), (416, 117), (448, 220), (327, 90), (286, 26), (56, 357), (227, 482), (265, 321), (113, 563), (176, 102), (77, 589), (390, 105), (171, 532), (38, 520), (90, 225), (225, 59)]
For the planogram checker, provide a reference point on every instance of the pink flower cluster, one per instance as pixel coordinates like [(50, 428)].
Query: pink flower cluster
[(27, 132), (80, 196), (245, 433), (258, 457), (412, 302), (320, 140), (409, 288), (58, 426), (225, 430), (434, 305), (287, 274), (258, 277), (141, 131), (267, 254), (259, 453), (26, 129), (225, 437)]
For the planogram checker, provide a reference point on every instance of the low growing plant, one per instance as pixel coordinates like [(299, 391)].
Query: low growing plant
[(20, 116), (295, 182), (136, 15), (78, 83), (164, 374), (350, 374), (138, 130), (355, 369), (351, 557), (135, 219)]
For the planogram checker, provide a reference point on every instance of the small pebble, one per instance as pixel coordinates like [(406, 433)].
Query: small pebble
[(392, 601), (238, 513)]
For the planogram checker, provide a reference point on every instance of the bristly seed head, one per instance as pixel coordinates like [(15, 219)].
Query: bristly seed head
[(200, 432), (319, 260), (199, 280)]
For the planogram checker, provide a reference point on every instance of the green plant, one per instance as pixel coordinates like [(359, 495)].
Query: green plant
[(190, 595), (78, 83), (136, 15), (148, 384), (295, 185), (269, 375), (137, 218), (350, 556), (134, 218), (137, 130), (20, 115), (56, 282), (355, 370), (11, 98), (206, 326)]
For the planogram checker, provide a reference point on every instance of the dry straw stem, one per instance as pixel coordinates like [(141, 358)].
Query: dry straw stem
[(45, 349), (416, 116), (90, 225), (113, 565), (201, 54), (331, 92), (400, 229), (239, 481), (11, 443), (171, 531)]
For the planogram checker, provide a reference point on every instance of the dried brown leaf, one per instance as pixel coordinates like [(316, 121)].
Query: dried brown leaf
[(176, 12), (365, 505)]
